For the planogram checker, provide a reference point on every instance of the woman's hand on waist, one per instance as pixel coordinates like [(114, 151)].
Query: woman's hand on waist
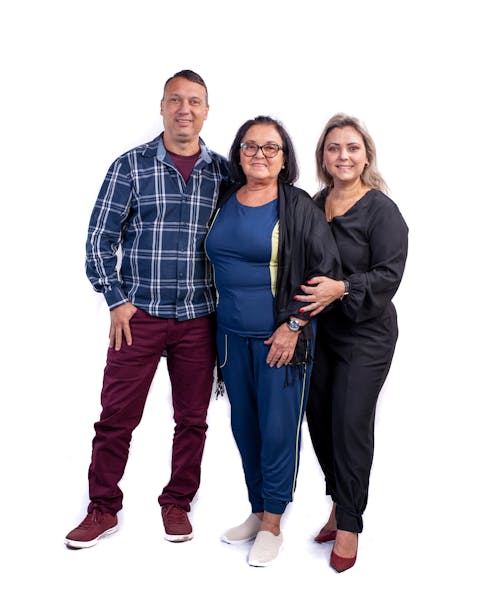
[(320, 292)]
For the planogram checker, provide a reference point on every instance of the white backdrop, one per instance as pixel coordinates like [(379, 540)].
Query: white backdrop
[(81, 84)]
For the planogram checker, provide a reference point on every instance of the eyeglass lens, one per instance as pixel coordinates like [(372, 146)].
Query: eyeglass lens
[(269, 150)]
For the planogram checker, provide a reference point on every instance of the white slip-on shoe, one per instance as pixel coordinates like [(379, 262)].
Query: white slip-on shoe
[(244, 532), (265, 549)]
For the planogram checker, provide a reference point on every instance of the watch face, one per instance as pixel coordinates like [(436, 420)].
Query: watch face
[(293, 325)]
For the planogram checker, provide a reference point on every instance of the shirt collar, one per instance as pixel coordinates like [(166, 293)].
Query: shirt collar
[(163, 156)]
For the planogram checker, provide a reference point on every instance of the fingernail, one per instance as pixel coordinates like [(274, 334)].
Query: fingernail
[(301, 310)]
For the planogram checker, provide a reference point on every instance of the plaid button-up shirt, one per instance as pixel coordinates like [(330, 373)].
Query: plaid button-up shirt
[(146, 234)]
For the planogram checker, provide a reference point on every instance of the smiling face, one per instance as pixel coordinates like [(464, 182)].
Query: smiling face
[(261, 168), (344, 155), (184, 109)]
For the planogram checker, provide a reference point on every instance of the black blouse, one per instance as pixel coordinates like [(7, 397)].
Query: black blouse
[(372, 238)]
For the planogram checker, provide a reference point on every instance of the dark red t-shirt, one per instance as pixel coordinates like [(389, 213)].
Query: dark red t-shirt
[(184, 164)]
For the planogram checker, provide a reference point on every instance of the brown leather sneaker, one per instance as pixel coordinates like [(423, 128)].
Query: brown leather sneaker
[(177, 525), (94, 526)]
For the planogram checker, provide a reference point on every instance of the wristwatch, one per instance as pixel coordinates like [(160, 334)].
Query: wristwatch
[(293, 325), (347, 288)]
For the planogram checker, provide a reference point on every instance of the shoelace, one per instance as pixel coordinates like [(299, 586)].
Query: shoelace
[(176, 515), (91, 518)]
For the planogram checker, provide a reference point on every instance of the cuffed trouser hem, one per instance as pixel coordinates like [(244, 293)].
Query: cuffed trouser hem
[(347, 521), (257, 508), (102, 506), (163, 501), (270, 506), (275, 507)]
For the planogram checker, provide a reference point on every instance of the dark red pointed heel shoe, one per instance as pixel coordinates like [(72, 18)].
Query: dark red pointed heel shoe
[(341, 564), (325, 536)]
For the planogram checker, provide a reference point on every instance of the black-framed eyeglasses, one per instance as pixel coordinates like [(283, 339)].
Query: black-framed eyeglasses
[(269, 150)]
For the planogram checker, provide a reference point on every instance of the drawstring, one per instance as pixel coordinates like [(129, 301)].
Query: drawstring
[(301, 359), (219, 387)]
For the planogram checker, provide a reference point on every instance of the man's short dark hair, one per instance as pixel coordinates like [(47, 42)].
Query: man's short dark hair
[(192, 76)]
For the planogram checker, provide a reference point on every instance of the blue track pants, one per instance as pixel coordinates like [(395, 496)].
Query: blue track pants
[(267, 408)]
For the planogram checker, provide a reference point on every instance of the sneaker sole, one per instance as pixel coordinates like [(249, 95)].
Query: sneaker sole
[(80, 544), (240, 541), (256, 563), (178, 537)]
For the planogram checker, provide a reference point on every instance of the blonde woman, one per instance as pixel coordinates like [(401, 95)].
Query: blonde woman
[(356, 341)]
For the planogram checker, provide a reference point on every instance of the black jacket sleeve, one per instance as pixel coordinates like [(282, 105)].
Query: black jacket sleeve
[(307, 249), (373, 289)]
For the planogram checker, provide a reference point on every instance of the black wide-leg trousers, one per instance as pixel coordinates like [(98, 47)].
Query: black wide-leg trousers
[(350, 367)]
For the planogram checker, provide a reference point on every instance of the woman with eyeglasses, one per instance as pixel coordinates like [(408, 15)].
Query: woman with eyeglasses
[(356, 340), (266, 238)]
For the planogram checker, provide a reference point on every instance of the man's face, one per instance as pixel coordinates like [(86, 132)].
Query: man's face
[(184, 109)]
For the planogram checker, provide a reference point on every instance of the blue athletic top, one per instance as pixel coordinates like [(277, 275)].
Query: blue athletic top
[(243, 247)]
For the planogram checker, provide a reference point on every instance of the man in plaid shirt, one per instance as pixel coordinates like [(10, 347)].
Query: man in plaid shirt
[(145, 253)]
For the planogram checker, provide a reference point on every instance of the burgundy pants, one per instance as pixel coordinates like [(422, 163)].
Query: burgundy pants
[(190, 350)]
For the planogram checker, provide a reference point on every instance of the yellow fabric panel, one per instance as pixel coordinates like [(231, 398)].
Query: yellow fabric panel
[(273, 263)]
